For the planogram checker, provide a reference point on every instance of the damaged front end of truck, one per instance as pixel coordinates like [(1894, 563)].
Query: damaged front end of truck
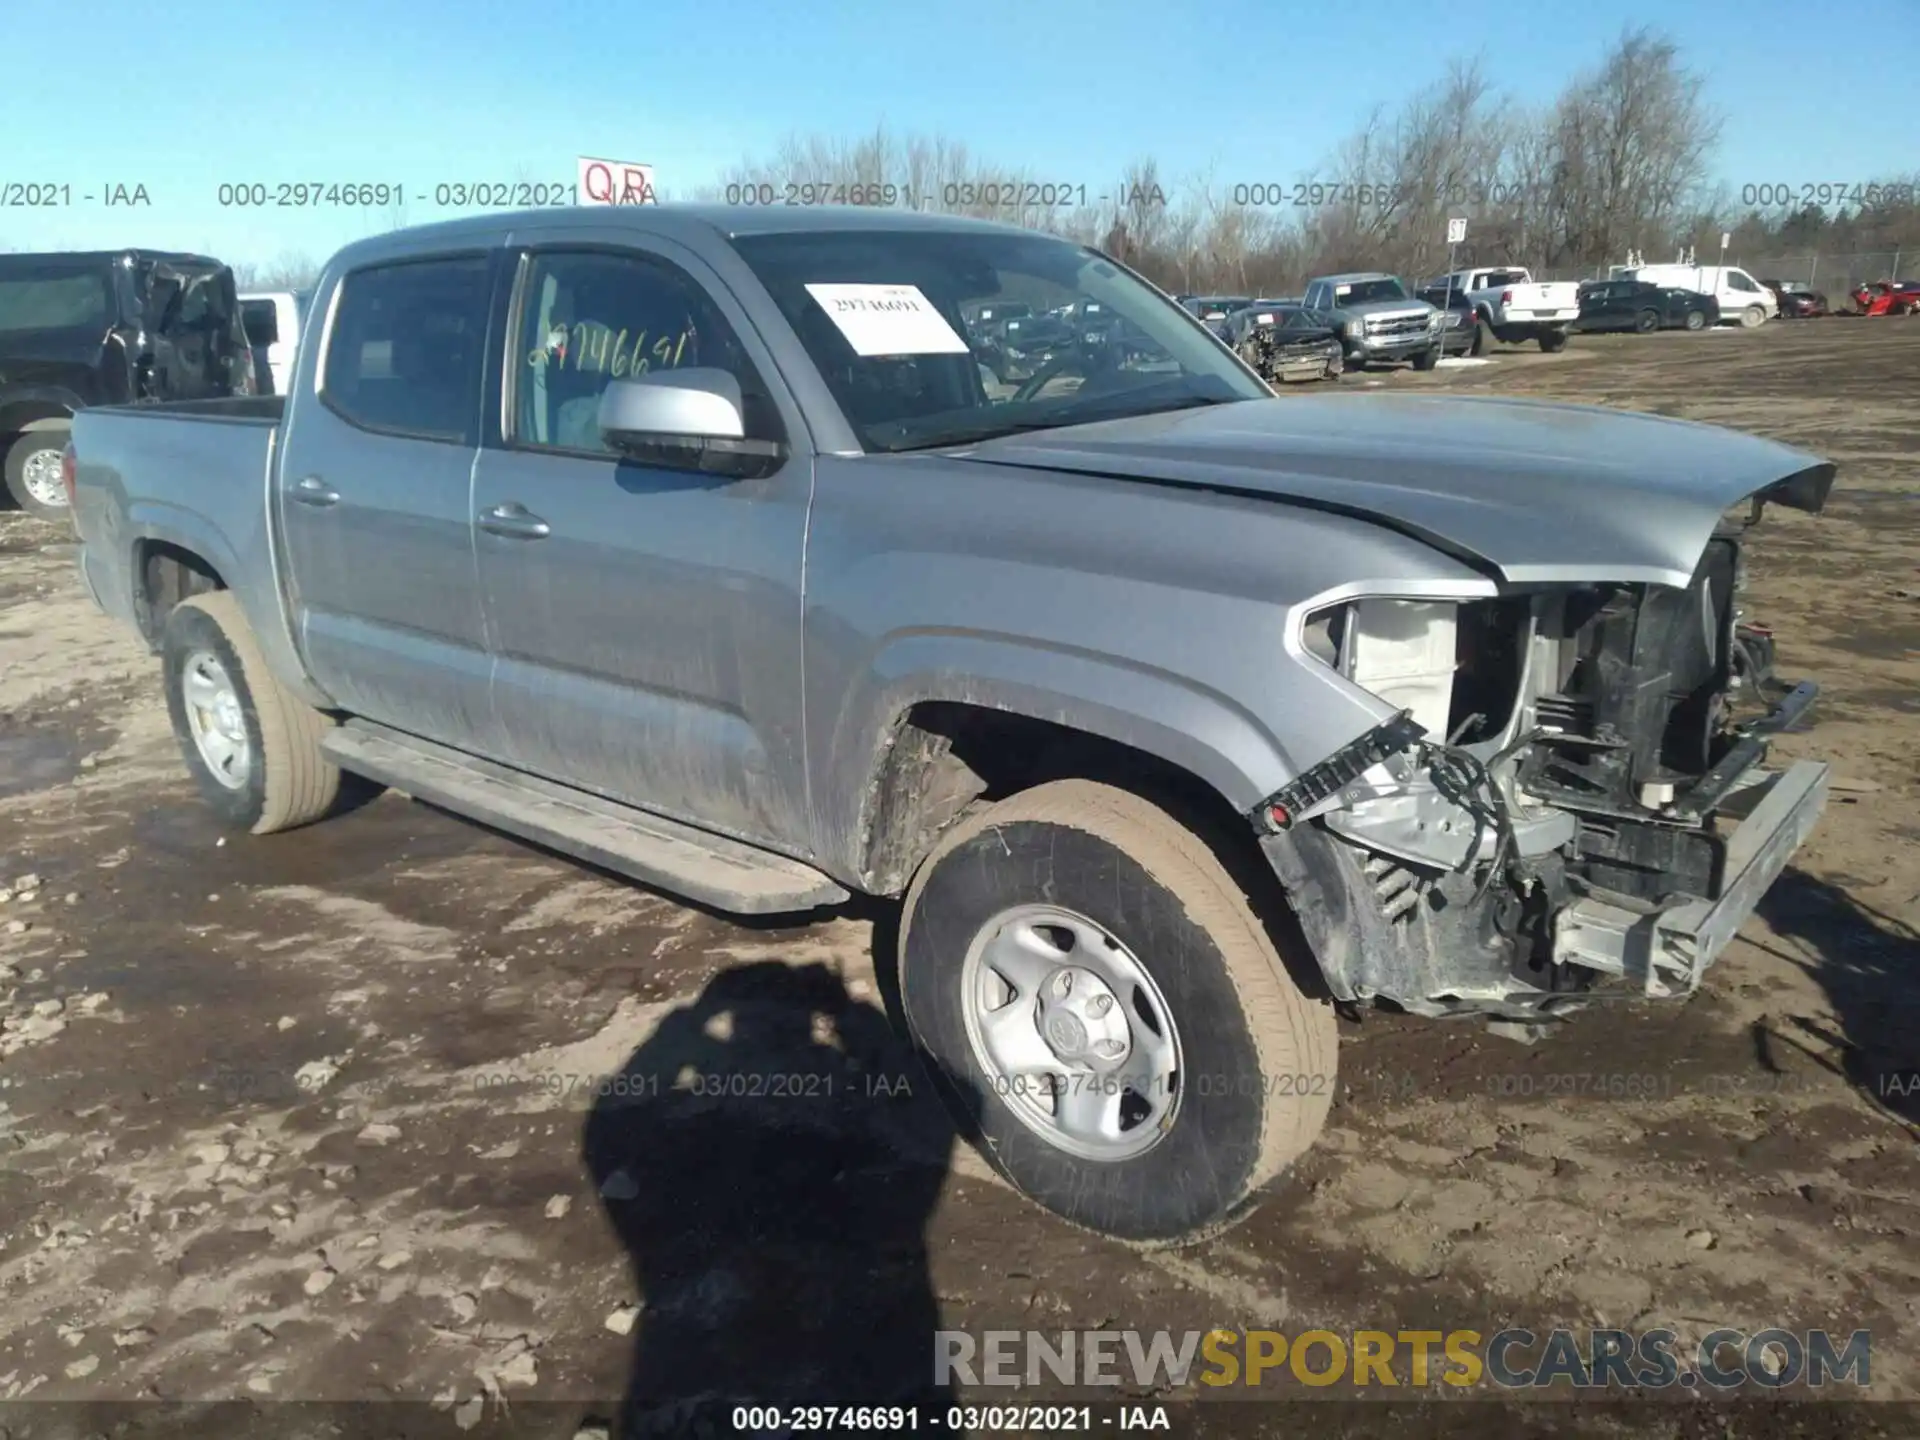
[(1569, 800)]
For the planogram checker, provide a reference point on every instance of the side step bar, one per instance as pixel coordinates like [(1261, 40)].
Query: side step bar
[(658, 852)]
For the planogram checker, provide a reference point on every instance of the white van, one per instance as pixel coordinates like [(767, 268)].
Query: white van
[(1742, 298)]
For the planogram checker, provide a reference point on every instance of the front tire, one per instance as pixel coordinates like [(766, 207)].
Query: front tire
[(33, 474), (252, 746), (1097, 996), (1753, 316), (1427, 359)]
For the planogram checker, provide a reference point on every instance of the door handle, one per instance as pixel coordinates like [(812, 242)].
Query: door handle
[(515, 522), (315, 491)]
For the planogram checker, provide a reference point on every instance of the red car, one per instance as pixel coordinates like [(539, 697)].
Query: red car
[(1885, 297)]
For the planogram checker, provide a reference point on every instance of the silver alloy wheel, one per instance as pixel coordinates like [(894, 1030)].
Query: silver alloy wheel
[(1072, 1032), (215, 719), (42, 476)]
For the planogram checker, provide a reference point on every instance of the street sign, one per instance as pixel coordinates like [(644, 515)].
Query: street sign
[(615, 182), (1456, 231), (1726, 238)]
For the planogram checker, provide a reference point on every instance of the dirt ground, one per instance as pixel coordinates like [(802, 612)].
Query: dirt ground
[(320, 1117)]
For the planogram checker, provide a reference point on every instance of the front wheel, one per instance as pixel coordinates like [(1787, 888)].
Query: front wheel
[(252, 746), (1753, 315), (33, 474), (1427, 359), (1112, 1021)]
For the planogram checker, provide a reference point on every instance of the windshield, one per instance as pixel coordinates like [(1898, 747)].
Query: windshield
[(1362, 292), (881, 315)]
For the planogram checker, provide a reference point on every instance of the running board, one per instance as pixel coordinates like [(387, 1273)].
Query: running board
[(661, 853)]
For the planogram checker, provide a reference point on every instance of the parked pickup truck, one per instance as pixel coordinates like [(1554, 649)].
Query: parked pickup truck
[(1513, 307), (1377, 319), (690, 542)]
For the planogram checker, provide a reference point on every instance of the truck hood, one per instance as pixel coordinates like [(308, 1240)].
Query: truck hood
[(1531, 491)]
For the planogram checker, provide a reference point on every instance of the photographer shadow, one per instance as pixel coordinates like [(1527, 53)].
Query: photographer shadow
[(770, 1157), (1869, 966)]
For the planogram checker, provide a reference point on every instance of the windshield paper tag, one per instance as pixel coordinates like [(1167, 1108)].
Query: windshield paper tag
[(888, 320)]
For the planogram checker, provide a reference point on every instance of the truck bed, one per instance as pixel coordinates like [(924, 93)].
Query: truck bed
[(244, 409), (193, 474)]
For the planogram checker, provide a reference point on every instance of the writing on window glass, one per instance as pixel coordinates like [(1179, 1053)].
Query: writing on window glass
[(595, 349)]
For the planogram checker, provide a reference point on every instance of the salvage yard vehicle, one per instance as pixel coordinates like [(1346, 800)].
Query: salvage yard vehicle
[(1886, 297), (1741, 298), (1286, 342), (686, 540), (1644, 307), (272, 319), (1377, 319), (1513, 307), (105, 328), (1213, 311), (1798, 300), (1462, 334)]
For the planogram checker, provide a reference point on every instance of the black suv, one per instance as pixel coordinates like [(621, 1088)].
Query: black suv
[(106, 327)]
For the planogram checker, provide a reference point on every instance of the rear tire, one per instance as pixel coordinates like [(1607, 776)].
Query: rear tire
[(33, 474), (1552, 342), (225, 702), (1098, 885), (1646, 322), (1427, 359), (1696, 320)]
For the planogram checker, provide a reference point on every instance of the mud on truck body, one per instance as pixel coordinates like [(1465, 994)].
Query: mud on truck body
[(1177, 714)]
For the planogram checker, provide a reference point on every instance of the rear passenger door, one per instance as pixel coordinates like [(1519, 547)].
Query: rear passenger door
[(375, 497)]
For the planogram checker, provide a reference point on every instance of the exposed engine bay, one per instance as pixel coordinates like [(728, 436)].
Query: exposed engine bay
[(1558, 802)]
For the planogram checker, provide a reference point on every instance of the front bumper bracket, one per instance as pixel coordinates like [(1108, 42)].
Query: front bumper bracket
[(1668, 951)]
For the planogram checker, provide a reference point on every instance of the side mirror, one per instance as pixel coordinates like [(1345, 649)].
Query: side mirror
[(692, 419)]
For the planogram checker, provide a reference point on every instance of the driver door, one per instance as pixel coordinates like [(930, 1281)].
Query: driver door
[(644, 620)]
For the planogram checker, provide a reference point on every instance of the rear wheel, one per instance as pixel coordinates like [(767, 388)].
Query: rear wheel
[(1647, 321), (1427, 359), (1696, 320), (33, 474), (252, 746), (1553, 341), (1096, 994)]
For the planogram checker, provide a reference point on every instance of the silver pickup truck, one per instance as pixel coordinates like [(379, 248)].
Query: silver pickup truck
[(692, 542)]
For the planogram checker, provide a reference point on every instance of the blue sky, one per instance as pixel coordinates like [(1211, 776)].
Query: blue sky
[(421, 92)]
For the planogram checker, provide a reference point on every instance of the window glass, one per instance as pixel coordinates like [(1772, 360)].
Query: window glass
[(55, 302), (406, 348), (880, 315), (1365, 292), (588, 319)]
